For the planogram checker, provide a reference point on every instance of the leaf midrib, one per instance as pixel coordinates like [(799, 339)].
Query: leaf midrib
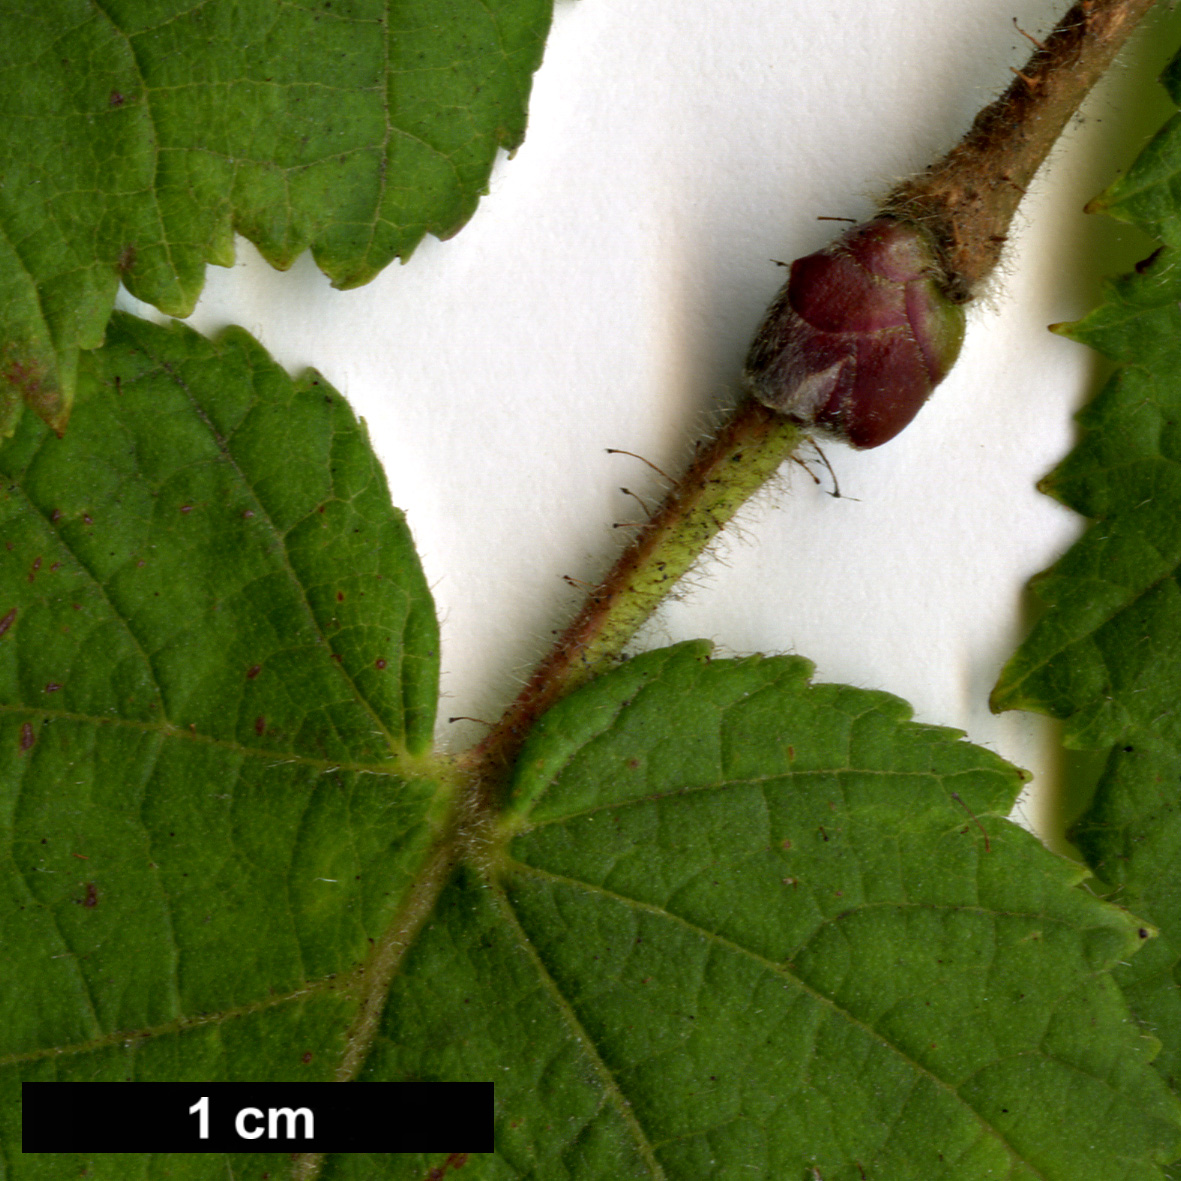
[(425, 767), (582, 1035), (970, 773), (176, 1025)]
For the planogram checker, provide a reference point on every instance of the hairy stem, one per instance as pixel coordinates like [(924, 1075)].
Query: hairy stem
[(966, 201), (726, 472)]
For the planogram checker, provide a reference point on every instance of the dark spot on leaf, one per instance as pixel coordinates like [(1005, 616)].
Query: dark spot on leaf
[(126, 262), (27, 737), (340, 596), (320, 509), (7, 621), (260, 724), (186, 508), (379, 664), (91, 899), (116, 99), (306, 1057), (1145, 263), (1143, 932), (52, 687), (33, 383), (455, 1161), (36, 567), (253, 671), (76, 606), (1128, 749), (87, 519), (141, 562), (337, 657), (56, 515), (55, 566), (248, 513)]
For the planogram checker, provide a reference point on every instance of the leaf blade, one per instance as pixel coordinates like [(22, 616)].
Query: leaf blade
[(350, 129)]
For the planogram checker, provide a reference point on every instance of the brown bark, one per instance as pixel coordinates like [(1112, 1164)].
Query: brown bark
[(966, 201)]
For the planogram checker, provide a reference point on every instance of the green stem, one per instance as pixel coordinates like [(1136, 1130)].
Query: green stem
[(725, 473)]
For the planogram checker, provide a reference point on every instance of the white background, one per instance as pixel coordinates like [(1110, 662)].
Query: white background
[(605, 293)]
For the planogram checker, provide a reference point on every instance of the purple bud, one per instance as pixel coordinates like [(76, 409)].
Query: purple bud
[(859, 336)]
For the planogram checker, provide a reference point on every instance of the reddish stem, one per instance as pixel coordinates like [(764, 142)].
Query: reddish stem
[(725, 473)]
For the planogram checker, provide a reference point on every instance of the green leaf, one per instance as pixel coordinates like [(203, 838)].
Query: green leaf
[(136, 138), (1101, 656), (1148, 195), (1106, 655)]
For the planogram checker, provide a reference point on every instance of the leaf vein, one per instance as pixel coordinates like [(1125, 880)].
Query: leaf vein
[(782, 970)]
